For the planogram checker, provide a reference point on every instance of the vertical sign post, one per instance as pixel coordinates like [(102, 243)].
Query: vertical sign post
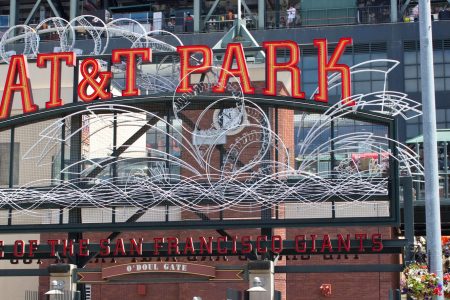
[(432, 201)]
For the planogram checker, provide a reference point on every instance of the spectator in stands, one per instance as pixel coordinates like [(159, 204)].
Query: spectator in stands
[(444, 14), (415, 13), (189, 17), (291, 12), (188, 23), (229, 18), (171, 24)]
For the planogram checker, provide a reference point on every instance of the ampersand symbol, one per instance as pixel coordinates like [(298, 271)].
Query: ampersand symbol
[(89, 70)]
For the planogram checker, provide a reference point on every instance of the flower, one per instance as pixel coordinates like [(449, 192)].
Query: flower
[(419, 283)]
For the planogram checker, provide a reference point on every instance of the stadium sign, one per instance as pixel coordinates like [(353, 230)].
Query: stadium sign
[(94, 83), (172, 246)]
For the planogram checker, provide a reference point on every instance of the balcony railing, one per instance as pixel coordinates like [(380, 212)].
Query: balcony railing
[(332, 16)]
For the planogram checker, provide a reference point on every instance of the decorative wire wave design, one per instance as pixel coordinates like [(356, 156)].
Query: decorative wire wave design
[(249, 177)]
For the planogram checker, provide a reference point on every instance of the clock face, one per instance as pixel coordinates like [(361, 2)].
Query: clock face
[(230, 119)]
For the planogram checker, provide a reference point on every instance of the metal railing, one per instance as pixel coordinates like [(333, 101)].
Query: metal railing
[(329, 16)]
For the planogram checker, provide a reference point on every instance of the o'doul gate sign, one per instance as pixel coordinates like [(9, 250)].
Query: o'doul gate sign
[(160, 268)]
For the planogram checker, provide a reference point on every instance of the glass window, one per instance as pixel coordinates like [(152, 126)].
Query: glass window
[(410, 71), (309, 62), (362, 87), (447, 83), (411, 85), (438, 56), (310, 76), (447, 56), (439, 84), (440, 115), (439, 70), (361, 76), (410, 58), (412, 130), (378, 86), (361, 57)]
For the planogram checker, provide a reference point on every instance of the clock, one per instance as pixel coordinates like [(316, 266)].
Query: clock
[(232, 120)]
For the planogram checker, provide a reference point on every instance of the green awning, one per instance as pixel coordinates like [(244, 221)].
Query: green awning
[(131, 8), (443, 135)]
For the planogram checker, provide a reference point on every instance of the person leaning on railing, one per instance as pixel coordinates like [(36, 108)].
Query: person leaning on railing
[(229, 18), (291, 12)]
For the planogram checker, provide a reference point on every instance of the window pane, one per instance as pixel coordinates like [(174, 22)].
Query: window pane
[(447, 55), (447, 85), (362, 87), (378, 76), (439, 70), (377, 86), (447, 69), (309, 62), (411, 71), (359, 58), (410, 58), (309, 76), (439, 84), (438, 56), (412, 130), (361, 76), (440, 115), (411, 85)]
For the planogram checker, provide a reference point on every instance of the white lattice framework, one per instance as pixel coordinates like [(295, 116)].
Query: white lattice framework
[(242, 183)]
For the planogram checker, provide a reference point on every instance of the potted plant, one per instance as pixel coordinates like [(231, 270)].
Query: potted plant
[(417, 282)]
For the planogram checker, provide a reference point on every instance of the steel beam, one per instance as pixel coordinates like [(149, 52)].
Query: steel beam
[(197, 14), (394, 11), (55, 11), (261, 13), (33, 11), (210, 12), (404, 7), (408, 212), (73, 9), (12, 13), (395, 268)]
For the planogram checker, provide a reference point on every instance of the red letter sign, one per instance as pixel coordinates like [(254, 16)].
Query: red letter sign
[(272, 67), (234, 50), (17, 70), (55, 73), (130, 77), (187, 69), (333, 66)]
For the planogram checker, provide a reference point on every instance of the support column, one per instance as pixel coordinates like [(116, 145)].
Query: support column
[(432, 201), (261, 280), (394, 11), (261, 12), (73, 9), (408, 215), (197, 13), (277, 13), (12, 13)]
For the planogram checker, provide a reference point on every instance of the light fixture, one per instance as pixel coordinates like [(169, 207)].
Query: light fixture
[(257, 285), (197, 298), (56, 287)]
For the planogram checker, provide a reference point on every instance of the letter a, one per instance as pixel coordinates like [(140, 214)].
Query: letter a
[(17, 71)]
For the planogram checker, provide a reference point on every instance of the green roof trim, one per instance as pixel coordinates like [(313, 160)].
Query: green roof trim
[(443, 135), (132, 8)]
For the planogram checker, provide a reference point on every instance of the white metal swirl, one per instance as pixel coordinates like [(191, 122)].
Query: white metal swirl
[(248, 177)]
